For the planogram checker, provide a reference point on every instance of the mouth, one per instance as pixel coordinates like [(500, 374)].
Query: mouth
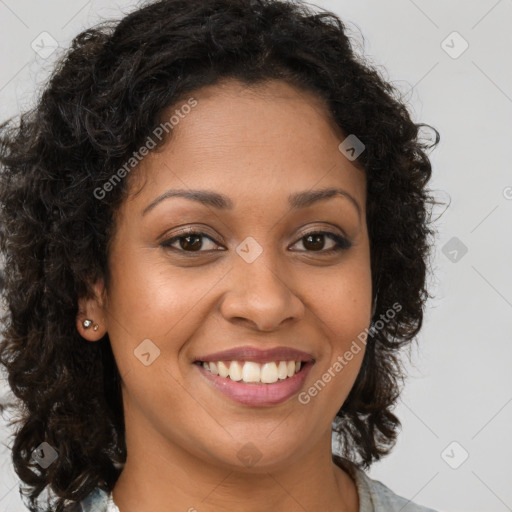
[(255, 377), (252, 372)]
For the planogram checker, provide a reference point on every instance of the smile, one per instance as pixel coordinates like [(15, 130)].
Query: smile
[(253, 372), (255, 393)]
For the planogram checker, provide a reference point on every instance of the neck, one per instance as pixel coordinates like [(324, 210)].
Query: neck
[(162, 477)]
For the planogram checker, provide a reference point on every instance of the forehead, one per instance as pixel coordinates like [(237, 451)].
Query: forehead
[(241, 139)]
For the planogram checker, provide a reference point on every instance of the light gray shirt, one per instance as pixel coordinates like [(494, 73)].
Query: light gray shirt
[(374, 496)]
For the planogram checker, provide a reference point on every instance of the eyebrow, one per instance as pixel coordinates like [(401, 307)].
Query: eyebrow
[(221, 202)]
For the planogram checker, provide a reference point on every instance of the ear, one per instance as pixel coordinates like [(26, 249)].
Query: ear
[(92, 309)]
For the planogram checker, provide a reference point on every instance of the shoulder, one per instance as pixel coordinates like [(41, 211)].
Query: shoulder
[(374, 496), (95, 501), (385, 499)]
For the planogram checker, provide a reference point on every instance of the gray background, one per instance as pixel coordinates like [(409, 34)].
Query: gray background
[(457, 400)]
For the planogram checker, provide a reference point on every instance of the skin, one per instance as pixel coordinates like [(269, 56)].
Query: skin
[(257, 146)]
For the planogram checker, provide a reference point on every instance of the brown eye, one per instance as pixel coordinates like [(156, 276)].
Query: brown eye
[(190, 241), (315, 242), (193, 241)]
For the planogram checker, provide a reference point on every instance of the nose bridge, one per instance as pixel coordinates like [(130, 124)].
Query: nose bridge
[(258, 269), (257, 292)]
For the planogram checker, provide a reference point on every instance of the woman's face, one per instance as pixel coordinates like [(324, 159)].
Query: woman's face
[(253, 281)]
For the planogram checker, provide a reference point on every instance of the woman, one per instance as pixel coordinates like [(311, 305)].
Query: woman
[(216, 238)]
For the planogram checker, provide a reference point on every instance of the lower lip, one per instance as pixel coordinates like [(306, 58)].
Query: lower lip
[(258, 394)]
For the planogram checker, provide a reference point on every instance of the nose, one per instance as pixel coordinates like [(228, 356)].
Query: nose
[(260, 296)]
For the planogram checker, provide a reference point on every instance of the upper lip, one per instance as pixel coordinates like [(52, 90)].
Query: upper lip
[(258, 355)]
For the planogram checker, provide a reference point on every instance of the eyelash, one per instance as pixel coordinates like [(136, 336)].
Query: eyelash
[(342, 244)]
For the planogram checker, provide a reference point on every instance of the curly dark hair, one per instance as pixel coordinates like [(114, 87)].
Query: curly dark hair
[(102, 101)]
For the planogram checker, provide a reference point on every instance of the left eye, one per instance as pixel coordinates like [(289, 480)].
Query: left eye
[(312, 239), (192, 241)]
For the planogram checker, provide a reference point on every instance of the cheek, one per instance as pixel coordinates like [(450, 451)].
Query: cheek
[(343, 304), (150, 299), (153, 310), (343, 300)]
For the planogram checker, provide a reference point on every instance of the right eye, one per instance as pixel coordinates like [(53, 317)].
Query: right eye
[(340, 243), (189, 241)]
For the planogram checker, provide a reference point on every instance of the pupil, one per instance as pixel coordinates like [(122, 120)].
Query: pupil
[(315, 242), (191, 246), (317, 237)]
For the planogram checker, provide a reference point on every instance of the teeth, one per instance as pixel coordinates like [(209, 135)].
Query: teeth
[(282, 370), (269, 373), (235, 371), (249, 371), (223, 369), (213, 368)]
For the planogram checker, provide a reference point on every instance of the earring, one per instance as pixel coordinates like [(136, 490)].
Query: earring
[(87, 323)]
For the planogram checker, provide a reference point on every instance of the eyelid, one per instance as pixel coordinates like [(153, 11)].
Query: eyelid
[(196, 229), (341, 240), (167, 242), (322, 229), (190, 230)]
